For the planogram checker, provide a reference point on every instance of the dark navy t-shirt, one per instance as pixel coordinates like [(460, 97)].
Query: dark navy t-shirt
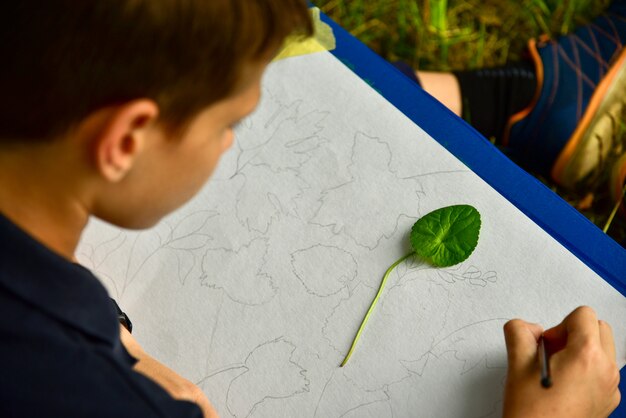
[(60, 350)]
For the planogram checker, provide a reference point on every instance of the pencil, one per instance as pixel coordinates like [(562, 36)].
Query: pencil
[(546, 380)]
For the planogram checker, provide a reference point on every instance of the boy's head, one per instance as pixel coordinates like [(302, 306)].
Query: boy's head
[(147, 90), (63, 59)]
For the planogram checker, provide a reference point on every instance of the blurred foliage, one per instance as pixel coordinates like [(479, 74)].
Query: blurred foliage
[(455, 34)]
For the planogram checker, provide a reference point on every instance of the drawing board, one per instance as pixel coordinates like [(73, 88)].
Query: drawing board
[(254, 289)]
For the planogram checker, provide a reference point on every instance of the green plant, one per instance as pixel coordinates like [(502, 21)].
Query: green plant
[(457, 34), (444, 237)]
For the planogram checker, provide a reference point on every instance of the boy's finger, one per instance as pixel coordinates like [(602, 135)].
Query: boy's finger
[(578, 327), (555, 338), (521, 342), (607, 340)]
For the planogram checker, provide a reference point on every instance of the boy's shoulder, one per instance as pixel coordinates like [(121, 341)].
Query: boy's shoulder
[(60, 353)]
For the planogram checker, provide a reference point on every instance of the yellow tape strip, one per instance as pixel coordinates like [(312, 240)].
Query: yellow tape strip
[(322, 40)]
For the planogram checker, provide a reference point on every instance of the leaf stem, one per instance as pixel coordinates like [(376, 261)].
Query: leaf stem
[(371, 308)]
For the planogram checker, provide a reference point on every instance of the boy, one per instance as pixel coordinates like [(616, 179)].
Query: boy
[(120, 109)]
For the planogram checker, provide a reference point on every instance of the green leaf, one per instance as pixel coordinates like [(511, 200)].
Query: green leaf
[(446, 236)]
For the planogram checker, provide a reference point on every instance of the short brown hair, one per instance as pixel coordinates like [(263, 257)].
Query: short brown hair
[(63, 59)]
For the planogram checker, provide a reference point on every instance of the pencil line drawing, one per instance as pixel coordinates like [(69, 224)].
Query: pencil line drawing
[(256, 379), (265, 195), (323, 270), (255, 288), (234, 276), (370, 166)]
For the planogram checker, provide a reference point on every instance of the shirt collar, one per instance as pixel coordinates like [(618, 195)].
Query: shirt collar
[(52, 284)]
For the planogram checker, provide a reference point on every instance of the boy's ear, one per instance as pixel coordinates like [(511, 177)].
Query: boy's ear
[(122, 136)]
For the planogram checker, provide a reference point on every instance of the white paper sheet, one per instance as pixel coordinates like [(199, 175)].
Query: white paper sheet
[(256, 288)]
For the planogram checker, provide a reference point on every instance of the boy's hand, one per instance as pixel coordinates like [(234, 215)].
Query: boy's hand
[(177, 386), (582, 366)]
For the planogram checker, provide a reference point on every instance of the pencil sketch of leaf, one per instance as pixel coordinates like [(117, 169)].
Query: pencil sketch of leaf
[(322, 171), (441, 375), (467, 344), (470, 346), (470, 354), (191, 224), (145, 245), (478, 278), (378, 409), (348, 311), (225, 228), (286, 150), (470, 274), (239, 273), (352, 398), (179, 262), (259, 128), (301, 236), (367, 207), (323, 270), (265, 195), (190, 242), (105, 249), (270, 373)]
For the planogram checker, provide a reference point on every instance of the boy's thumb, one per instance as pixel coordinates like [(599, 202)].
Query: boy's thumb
[(521, 343)]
